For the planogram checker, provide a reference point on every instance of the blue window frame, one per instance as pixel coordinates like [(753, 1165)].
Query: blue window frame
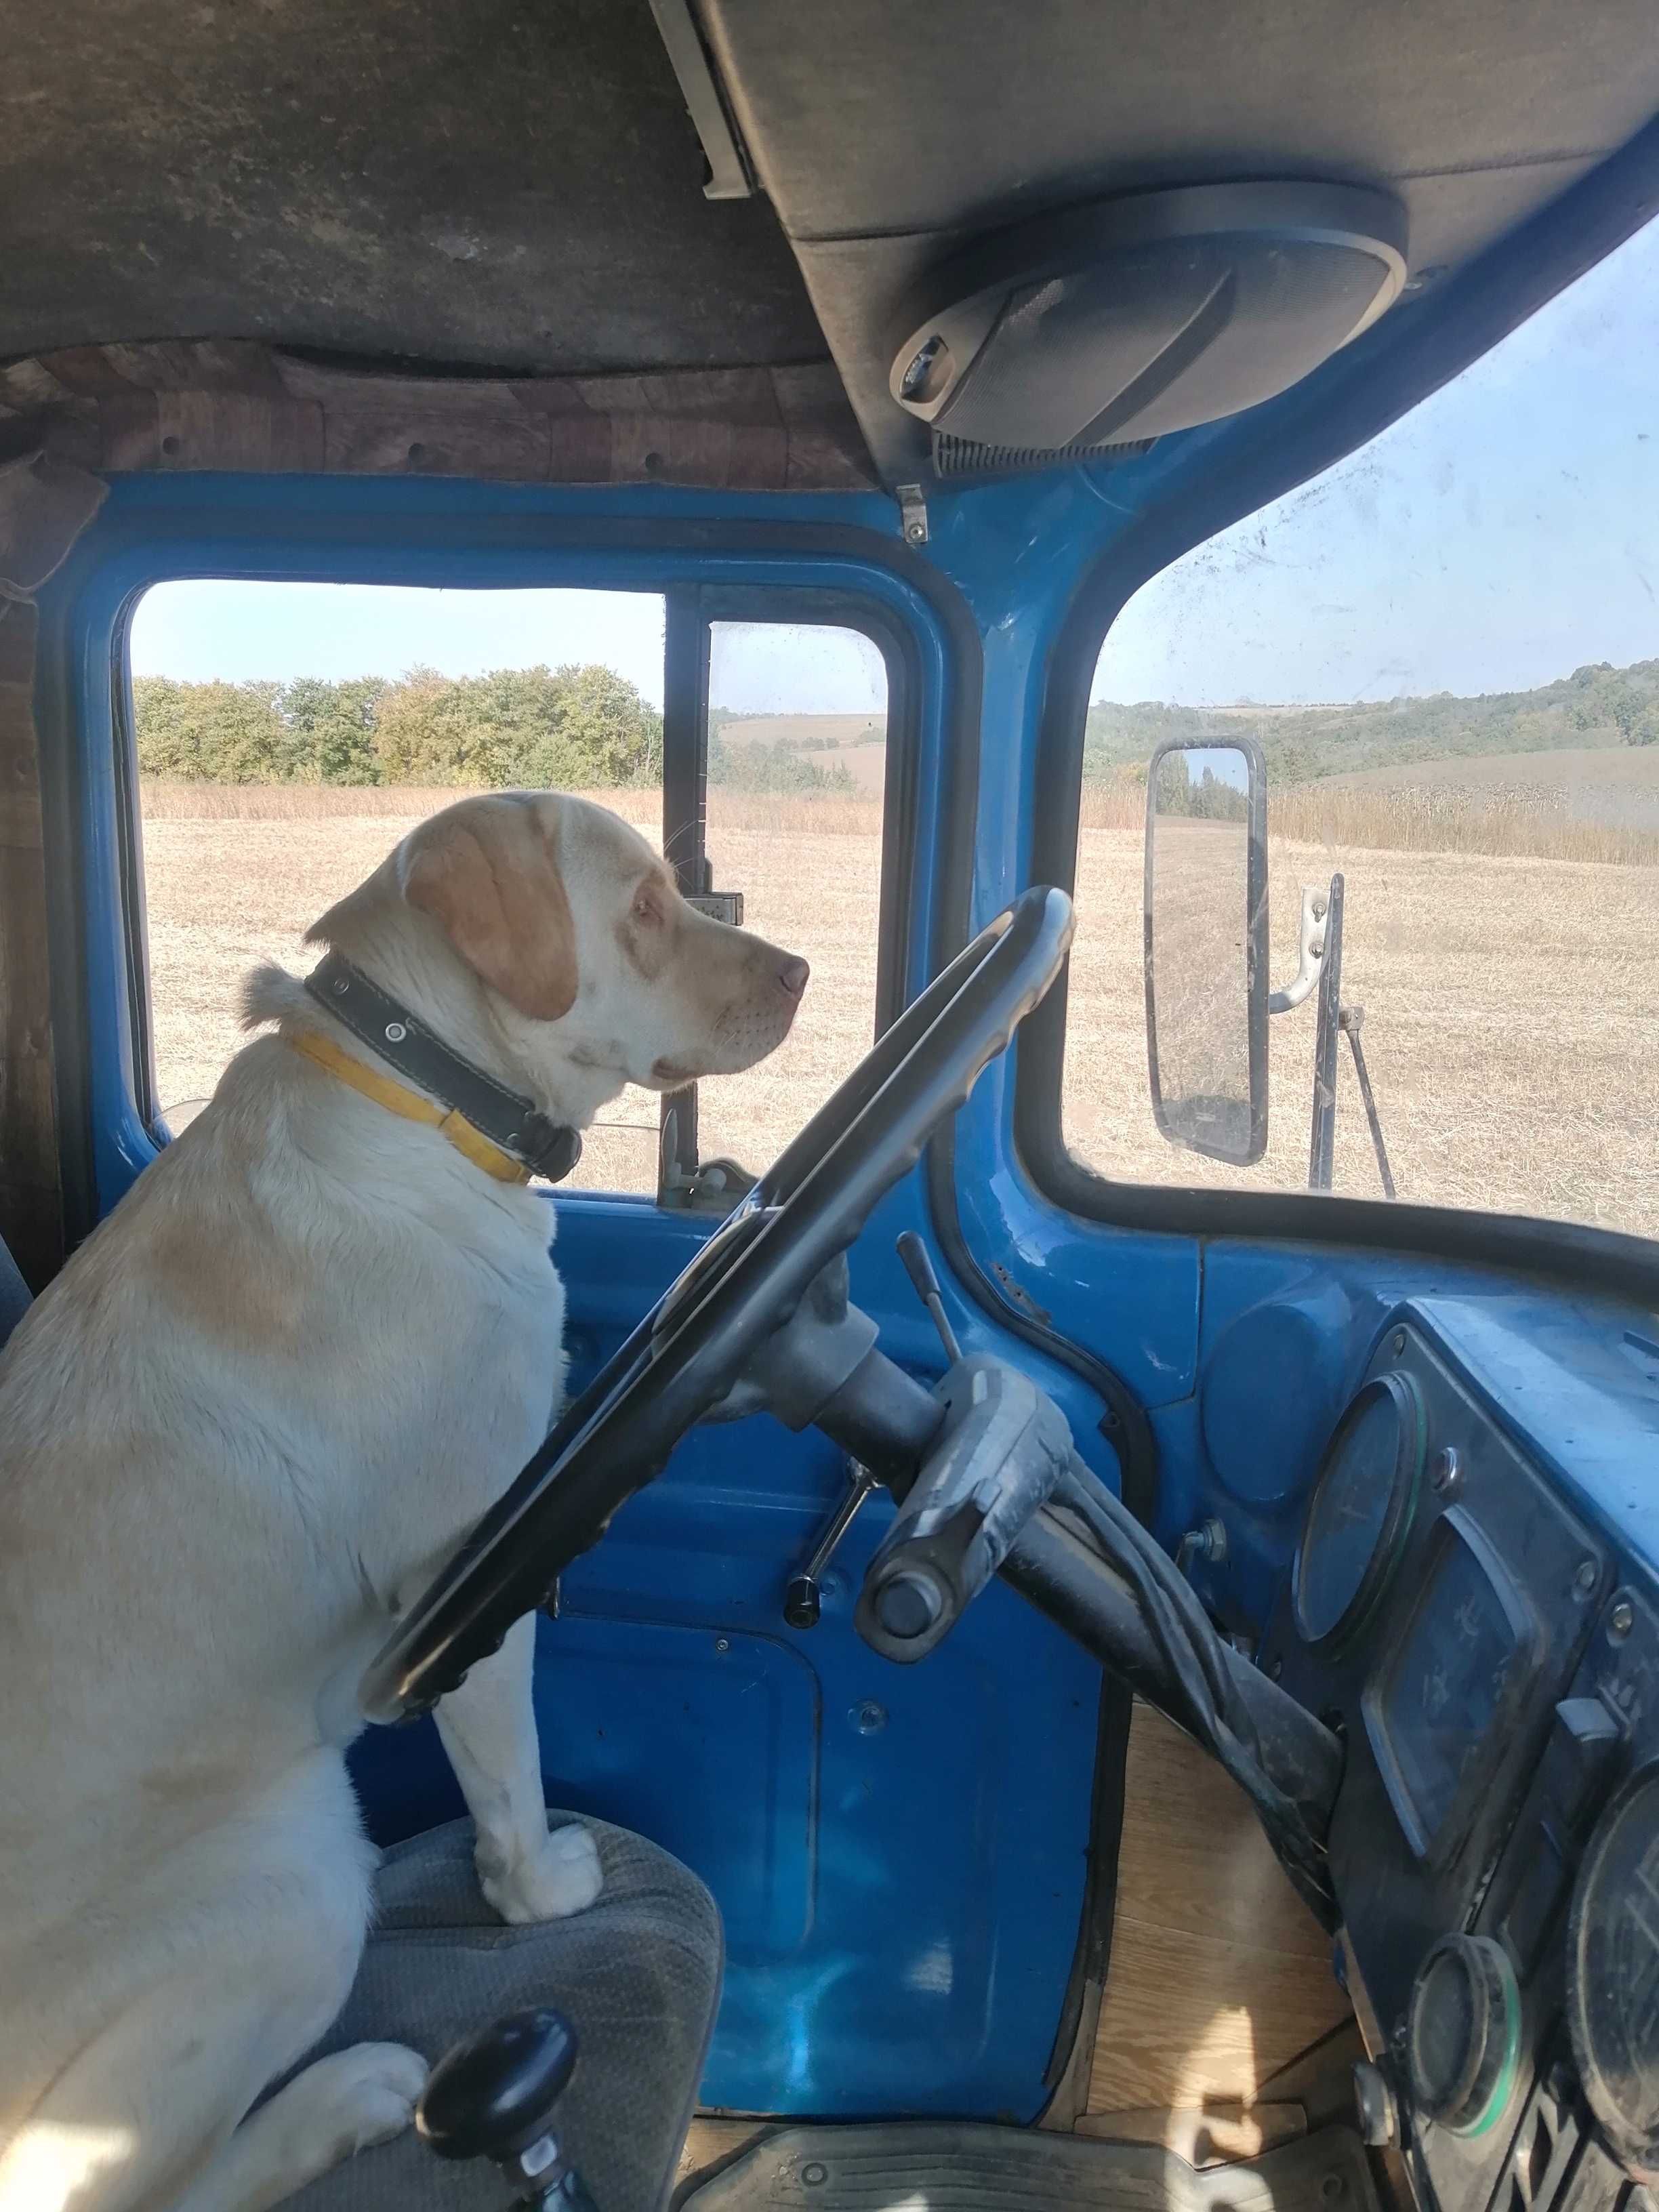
[(155, 529)]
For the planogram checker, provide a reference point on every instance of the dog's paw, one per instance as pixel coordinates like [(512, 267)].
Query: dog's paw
[(358, 2096), (564, 1877)]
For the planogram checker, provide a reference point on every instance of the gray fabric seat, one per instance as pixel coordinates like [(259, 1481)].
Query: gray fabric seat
[(638, 1974)]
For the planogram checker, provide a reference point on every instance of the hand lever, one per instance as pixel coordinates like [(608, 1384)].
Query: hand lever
[(920, 1268), (492, 2097), (803, 1600)]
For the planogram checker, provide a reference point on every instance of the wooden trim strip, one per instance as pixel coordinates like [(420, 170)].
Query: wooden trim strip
[(223, 405)]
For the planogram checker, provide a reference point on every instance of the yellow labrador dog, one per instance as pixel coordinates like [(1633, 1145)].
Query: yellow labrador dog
[(240, 1431)]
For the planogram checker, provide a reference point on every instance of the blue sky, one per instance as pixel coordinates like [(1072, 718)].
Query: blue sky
[(1503, 533), (238, 630), (198, 630)]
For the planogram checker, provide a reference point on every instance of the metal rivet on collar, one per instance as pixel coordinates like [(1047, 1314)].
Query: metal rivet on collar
[(395, 1032), (341, 986)]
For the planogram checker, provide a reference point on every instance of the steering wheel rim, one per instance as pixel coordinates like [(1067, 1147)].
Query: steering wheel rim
[(742, 1285)]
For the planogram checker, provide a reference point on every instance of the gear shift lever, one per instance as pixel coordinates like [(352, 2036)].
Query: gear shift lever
[(492, 2097)]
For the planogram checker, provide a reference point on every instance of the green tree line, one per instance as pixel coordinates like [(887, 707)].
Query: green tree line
[(578, 727), (1208, 798), (1597, 705)]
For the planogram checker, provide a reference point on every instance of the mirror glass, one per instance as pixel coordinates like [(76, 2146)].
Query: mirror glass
[(1206, 919)]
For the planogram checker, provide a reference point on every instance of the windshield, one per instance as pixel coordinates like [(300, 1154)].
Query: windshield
[(1447, 648)]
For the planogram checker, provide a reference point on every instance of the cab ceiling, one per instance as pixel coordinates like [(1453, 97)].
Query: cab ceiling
[(504, 183), (885, 135), (516, 184)]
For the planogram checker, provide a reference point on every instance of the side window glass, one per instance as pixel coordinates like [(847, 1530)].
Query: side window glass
[(1447, 648), (288, 734), (796, 773)]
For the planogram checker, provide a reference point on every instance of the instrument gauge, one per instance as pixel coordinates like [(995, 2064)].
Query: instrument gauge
[(1613, 1973), (1360, 1509)]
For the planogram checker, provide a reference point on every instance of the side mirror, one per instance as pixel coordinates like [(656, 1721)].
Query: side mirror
[(1206, 946)]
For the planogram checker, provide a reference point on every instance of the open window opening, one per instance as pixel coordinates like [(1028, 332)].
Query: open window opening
[(284, 735)]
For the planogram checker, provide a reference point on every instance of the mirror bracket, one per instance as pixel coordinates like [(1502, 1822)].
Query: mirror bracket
[(1312, 960)]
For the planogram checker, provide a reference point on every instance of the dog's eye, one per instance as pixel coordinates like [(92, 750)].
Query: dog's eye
[(646, 907)]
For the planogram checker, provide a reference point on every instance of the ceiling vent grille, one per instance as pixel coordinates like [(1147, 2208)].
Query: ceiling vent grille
[(965, 457)]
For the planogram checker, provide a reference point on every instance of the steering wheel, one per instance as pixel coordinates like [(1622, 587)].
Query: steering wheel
[(745, 1284)]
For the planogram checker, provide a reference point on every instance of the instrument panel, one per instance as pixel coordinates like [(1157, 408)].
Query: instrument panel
[(1463, 1666), (1472, 1604)]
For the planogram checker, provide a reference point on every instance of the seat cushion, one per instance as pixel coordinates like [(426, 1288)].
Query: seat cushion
[(638, 1974)]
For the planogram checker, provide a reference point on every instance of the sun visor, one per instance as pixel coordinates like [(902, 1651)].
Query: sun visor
[(1111, 323)]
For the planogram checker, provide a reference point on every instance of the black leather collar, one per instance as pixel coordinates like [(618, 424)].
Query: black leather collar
[(393, 1035)]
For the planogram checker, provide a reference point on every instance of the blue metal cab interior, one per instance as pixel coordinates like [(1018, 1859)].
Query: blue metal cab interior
[(916, 1865)]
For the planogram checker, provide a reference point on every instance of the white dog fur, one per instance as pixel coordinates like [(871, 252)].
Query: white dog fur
[(250, 1420)]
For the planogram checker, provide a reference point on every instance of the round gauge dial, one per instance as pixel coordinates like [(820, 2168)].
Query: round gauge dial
[(1360, 1509), (1463, 2033), (1613, 1973)]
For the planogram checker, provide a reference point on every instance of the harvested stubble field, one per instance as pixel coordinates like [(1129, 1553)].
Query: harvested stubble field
[(1510, 998), (235, 875)]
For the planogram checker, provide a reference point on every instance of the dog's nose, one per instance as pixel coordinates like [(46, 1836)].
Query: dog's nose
[(793, 976)]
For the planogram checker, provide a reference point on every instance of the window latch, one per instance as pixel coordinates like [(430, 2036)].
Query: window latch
[(722, 906)]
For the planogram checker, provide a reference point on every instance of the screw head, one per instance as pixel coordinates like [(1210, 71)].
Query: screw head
[(342, 985), (1622, 1619), (1445, 1469), (869, 1718), (1586, 1578), (1397, 1342), (395, 1032), (723, 1643), (916, 532), (814, 2175)]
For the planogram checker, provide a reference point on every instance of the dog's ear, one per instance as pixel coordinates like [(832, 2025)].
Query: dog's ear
[(487, 874)]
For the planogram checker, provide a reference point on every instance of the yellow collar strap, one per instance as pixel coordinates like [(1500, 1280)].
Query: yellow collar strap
[(398, 1098)]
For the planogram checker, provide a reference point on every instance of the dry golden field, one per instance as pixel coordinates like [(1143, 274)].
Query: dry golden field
[(234, 876), (1511, 999)]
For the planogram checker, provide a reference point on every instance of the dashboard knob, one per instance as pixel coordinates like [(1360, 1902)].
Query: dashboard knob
[(1376, 2109), (1463, 2033)]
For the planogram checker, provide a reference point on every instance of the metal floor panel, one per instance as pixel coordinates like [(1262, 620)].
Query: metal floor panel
[(950, 2168)]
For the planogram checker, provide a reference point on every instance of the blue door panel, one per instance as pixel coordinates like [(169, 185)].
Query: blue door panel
[(899, 1853)]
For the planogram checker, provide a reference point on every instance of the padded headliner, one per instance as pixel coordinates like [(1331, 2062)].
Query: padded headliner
[(883, 133), (515, 185), (508, 183)]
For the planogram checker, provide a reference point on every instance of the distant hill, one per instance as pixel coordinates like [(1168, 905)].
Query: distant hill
[(845, 753), (1596, 707), (803, 733)]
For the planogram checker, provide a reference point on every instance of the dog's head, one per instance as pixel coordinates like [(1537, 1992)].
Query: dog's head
[(590, 958)]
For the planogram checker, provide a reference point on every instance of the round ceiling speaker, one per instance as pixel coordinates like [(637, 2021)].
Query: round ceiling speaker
[(1129, 317)]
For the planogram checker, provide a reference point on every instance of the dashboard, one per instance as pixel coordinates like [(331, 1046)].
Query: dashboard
[(1473, 1606)]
